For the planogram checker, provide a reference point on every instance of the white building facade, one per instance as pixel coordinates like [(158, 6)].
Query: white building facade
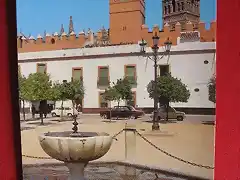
[(192, 62)]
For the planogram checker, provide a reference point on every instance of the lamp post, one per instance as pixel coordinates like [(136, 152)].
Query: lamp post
[(155, 58)]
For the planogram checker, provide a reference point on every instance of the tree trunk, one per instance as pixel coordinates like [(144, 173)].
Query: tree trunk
[(110, 118), (118, 103), (61, 111), (24, 114), (73, 107), (167, 110), (41, 117)]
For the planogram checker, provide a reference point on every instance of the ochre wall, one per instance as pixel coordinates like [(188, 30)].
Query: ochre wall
[(127, 21)]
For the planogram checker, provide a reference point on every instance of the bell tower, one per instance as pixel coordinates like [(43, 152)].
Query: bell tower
[(180, 11), (126, 20)]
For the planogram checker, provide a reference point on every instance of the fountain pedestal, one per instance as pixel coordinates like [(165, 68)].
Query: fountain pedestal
[(76, 170)]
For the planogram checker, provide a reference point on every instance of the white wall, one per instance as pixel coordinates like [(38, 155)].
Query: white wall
[(189, 67)]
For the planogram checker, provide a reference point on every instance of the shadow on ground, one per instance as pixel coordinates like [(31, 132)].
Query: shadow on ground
[(39, 123), (208, 123), (162, 122), (26, 128)]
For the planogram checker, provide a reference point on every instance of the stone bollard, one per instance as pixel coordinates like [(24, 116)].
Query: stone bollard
[(130, 146)]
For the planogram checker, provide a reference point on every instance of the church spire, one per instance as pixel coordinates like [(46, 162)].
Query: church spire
[(71, 28), (62, 29)]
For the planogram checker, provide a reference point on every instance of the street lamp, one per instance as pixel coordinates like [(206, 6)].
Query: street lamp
[(155, 58)]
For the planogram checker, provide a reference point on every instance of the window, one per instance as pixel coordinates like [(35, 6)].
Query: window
[(169, 9), (182, 3), (165, 10), (174, 5), (77, 74), (102, 103), (124, 28), (103, 76), (132, 102), (41, 68), (170, 109), (130, 73), (164, 70), (53, 41), (178, 7)]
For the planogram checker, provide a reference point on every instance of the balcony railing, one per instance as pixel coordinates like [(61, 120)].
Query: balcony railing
[(103, 81)]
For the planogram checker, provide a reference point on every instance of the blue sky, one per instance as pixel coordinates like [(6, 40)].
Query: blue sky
[(36, 16)]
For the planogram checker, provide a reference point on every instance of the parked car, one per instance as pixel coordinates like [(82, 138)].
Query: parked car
[(172, 114), (67, 111), (121, 112)]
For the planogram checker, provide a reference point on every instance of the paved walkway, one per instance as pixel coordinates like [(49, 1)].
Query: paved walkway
[(192, 142)]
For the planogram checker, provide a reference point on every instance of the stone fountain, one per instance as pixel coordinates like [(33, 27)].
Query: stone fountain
[(75, 148)]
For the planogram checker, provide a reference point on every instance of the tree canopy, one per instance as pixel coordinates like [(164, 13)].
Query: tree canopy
[(169, 87), (212, 89), (121, 90), (73, 90), (37, 87), (22, 86)]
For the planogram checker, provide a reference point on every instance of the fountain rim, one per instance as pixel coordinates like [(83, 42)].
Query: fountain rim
[(98, 134)]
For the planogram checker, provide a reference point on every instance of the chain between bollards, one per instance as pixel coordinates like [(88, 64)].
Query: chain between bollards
[(172, 156), (146, 140)]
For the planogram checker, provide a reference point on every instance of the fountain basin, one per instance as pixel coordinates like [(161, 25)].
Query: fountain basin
[(82, 149)]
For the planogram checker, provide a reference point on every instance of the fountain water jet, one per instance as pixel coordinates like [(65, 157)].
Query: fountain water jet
[(75, 149)]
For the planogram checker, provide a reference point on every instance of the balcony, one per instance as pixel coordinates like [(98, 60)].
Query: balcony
[(103, 82)]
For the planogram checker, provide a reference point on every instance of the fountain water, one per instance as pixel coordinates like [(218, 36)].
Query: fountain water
[(75, 148)]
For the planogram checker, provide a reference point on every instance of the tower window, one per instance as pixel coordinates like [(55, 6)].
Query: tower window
[(53, 41), (182, 3), (178, 7), (124, 28), (165, 10), (169, 9), (174, 5)]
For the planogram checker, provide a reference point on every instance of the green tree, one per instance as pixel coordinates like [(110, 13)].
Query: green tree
[(111, 94), (38, 88), (73, 90), (22, 92), (212, 89), (59, 92), (123, 88), (170, 88)]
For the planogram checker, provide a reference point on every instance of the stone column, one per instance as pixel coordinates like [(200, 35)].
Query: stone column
[(10, 151), (130, 146)]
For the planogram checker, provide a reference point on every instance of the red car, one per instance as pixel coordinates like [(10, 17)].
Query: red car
[(121, 112)]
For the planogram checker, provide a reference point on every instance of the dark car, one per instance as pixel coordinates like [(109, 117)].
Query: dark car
[(121, 112)]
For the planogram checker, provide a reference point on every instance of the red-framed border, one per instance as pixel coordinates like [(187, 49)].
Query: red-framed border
[(227, 145), (10, 150)]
